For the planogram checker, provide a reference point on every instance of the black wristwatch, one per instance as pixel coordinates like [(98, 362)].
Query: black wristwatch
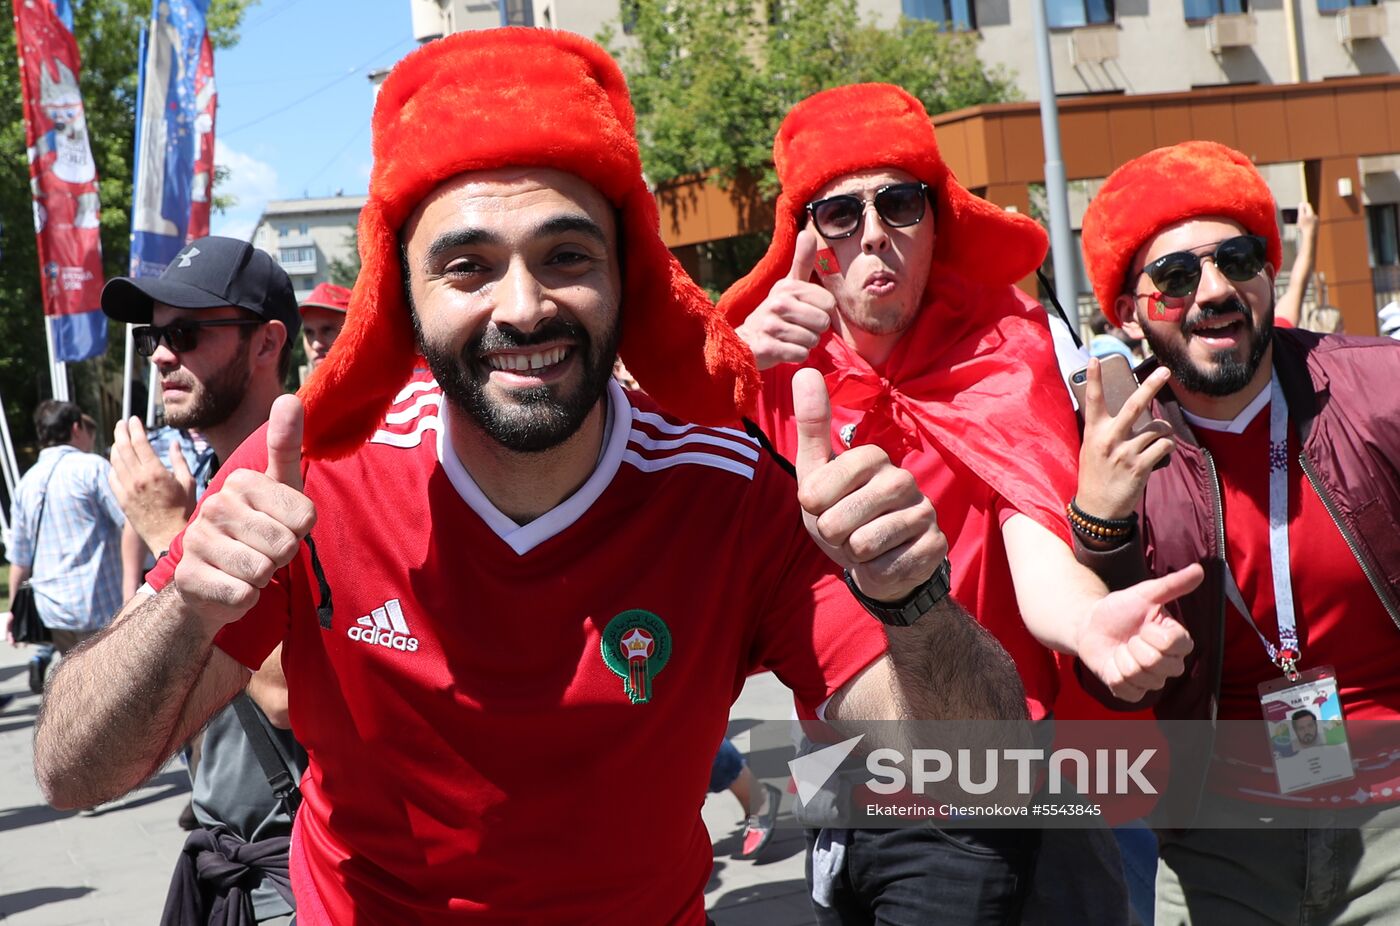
[(913, 606)]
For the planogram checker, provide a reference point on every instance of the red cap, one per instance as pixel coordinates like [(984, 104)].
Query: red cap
[(328, 296)]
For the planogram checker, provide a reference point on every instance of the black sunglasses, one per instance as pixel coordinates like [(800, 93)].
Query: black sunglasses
[(1176, 275), (183, 336), (898, 205)]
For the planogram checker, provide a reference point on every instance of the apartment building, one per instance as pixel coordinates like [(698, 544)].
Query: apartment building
[(306, 235)]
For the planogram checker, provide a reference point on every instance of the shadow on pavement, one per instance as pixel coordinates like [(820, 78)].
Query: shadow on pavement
[(169, 784), (20, 901), (745, 905), (9, 672)]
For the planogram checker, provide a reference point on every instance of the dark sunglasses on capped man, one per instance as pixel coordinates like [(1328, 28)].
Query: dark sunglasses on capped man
[(181, 337)]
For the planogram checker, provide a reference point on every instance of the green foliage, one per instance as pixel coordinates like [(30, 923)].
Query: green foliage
[(108, 33), (344, 272), (712, 79)]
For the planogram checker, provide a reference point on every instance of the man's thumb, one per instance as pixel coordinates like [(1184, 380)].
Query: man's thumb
[(284, 441), (811, 406), (804, 256)]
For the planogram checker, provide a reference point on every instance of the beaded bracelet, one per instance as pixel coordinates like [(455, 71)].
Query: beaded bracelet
[(1096, 528)]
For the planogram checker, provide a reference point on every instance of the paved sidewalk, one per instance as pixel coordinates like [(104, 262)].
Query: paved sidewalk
[(60, 869)]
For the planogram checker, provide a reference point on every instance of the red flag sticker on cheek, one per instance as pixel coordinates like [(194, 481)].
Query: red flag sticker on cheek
[(1162, 311), (826, 262)]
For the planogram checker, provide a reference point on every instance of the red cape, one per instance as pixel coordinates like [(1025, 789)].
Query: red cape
[(976, 375)]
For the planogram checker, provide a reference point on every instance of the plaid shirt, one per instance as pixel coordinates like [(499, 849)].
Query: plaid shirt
[(77, 570), (199, 456)]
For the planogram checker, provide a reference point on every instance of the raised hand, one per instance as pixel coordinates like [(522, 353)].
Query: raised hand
[(250, 528), (1130, 642), (1115, 461), (791, 320), (157, 501), (866, 513)]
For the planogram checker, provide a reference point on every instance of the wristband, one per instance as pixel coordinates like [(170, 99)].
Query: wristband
[(1096, 528)]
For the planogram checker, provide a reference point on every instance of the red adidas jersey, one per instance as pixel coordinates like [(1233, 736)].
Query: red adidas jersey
[(516, 723)]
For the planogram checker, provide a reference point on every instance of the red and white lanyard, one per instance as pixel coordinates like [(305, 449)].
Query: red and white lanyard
[(1287, 653)]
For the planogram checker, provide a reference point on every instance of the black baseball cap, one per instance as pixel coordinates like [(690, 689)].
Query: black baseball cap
[(208, 273)]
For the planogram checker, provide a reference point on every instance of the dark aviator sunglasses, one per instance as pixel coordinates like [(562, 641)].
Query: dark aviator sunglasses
[(1176, 275), (898, 205), (181, 337)]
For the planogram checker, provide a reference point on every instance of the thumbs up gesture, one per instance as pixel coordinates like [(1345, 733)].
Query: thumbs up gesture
[(249, 529), (866, 513), (790, 321)]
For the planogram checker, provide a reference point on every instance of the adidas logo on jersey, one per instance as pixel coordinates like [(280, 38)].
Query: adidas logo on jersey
[(385, 627)]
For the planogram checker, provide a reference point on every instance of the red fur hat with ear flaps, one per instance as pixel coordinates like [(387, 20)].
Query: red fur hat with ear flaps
[(871, 127), (517, 98), (1195, 179)]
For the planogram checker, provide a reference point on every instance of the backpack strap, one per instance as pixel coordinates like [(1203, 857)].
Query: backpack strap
[(284, 786)]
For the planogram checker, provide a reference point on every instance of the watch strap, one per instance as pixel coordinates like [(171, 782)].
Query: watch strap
[(913, 606)]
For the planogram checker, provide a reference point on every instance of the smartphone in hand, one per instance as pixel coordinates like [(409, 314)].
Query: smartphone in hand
[(1118, 384)]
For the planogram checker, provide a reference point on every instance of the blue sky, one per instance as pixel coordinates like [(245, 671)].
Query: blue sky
[(295, 100)]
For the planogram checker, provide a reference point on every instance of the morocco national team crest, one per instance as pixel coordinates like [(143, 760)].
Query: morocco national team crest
[(636, 647)]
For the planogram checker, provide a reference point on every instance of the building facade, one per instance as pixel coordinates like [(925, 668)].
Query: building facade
[(306, 235), (1106, 49)]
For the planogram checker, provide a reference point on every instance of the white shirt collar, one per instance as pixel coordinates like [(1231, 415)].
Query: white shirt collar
[(1235, 425), (524, 538)]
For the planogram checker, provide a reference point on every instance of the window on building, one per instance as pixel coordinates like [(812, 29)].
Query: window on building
[(951, 14), (1332, 6), (1068, 14), (296, 255), (1385, 242), (283, 231), (628, 11), (517, 13), (1205, 9)]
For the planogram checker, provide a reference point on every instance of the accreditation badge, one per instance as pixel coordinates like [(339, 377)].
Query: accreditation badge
[(1307, 733)]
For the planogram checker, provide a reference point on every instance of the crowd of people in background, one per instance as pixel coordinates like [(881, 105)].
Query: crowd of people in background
[(393, 614)]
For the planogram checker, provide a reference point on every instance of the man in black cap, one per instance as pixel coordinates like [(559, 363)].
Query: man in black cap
[(219, 326)]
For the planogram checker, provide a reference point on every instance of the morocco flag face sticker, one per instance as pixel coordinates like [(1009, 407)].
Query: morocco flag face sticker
[(636, 647), (1160, 310), (827, 263)]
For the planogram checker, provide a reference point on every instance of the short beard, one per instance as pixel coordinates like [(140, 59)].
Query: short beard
[(217, 398), (539, 420), (1228, 375)]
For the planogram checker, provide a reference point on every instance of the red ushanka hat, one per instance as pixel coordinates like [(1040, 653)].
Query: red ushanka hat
[(517, 98), (869, 127), (1195, 179)]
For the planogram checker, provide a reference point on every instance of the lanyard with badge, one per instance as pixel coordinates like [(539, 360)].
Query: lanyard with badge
[(1302, 711)]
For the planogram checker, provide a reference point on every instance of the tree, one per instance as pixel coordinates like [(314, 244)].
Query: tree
[(343, 272), (712, 79), (107, 32)]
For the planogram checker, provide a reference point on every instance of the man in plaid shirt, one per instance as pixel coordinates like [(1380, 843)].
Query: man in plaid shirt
[(73, 557)]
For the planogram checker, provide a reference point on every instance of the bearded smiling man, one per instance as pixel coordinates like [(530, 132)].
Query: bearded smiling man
[(1282, 482)]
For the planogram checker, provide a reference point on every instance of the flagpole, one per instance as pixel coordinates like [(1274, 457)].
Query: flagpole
[(127, 369), (154, 380), (58, 371)]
